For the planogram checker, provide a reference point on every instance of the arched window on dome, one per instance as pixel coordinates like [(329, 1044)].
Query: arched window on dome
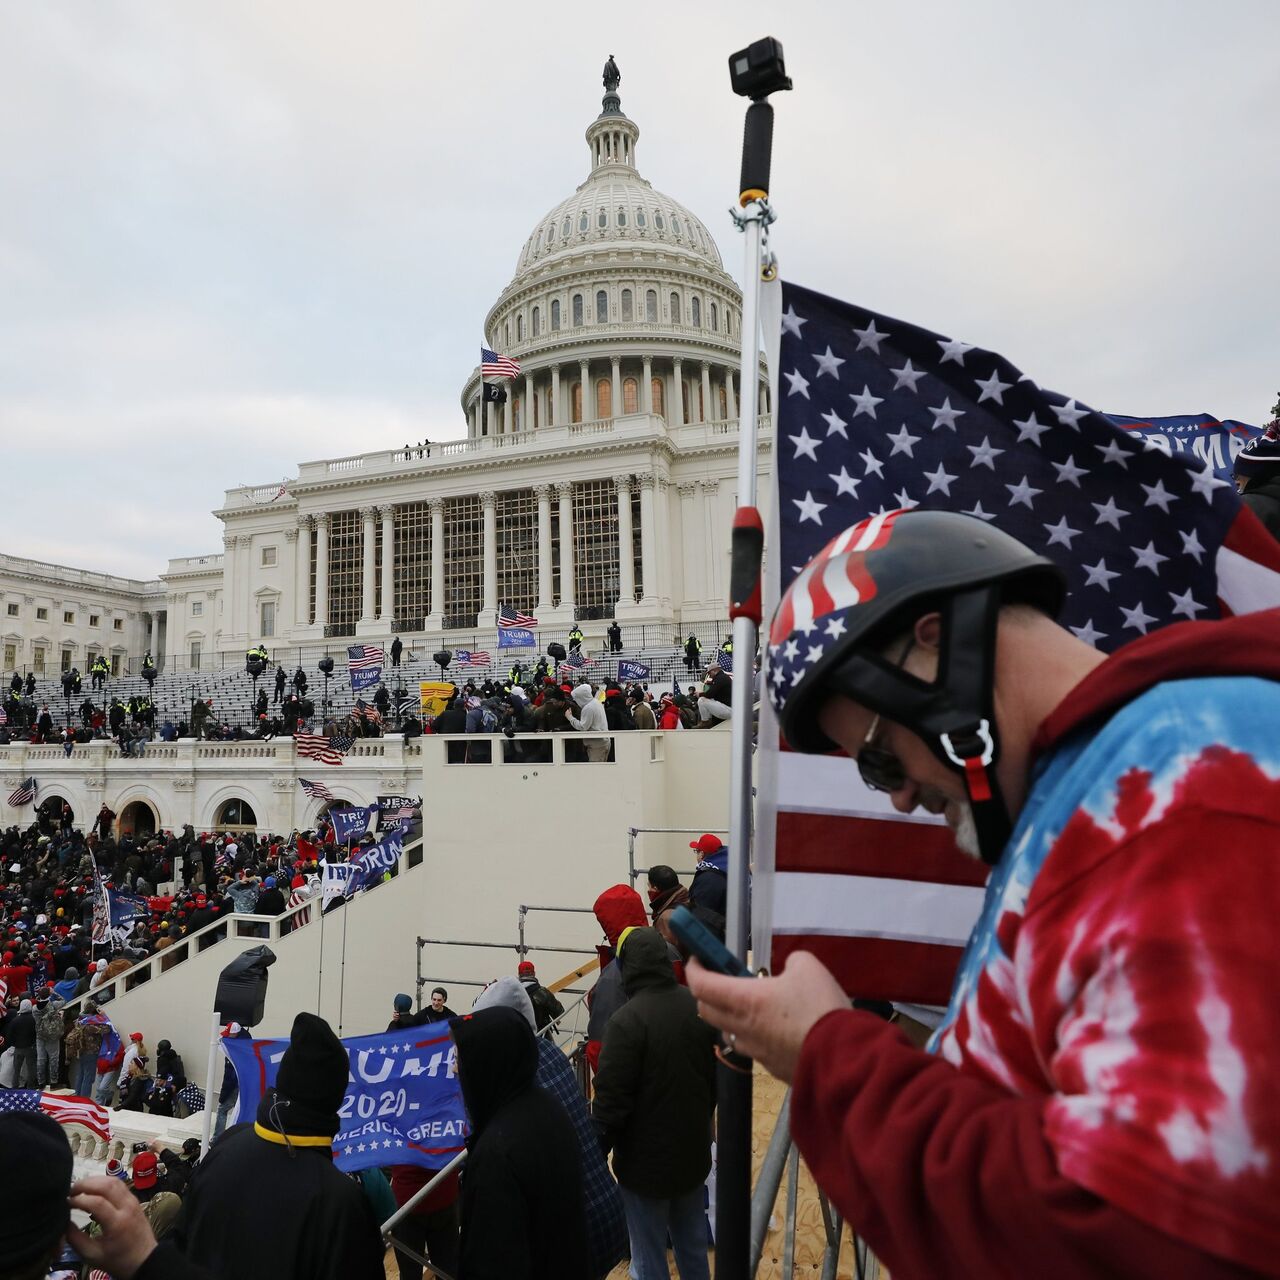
[(630, 396), (584, 222), (555, 314), (659, 396), (659, 221), (537, 321), (695, 310), (577, 402), (604, 398), (551, 234), (622, 216), (577, 310), (534, 424), (640, 221), (676, 316), (506, 334), (519, 328), (724, 404), (684, 400), (551, 409), (566, 228), (602, 219), (715, 317), (675, 224), (651, 306), (628, 310), (602, 307)]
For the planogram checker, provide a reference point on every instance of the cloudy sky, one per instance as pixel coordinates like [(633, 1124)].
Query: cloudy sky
[(234, 236)]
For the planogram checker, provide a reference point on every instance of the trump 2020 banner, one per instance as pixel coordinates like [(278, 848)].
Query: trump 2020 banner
[(351, 824), (632, 671), (403, 1103), (516, 638), (1198, 435)]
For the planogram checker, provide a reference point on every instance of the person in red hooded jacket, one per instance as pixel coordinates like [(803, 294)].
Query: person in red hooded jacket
[(617, 908)]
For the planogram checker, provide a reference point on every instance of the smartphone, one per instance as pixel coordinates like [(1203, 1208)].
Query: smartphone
[(704, 944)]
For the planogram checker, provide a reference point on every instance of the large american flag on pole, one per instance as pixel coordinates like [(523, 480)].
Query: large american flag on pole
[(510, 616), (64, 1108), (492, 365), (876, 415), (360, 657), (24, 795), (316, 746)]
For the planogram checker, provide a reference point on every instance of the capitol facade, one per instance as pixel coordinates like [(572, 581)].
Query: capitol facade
[(600, 485)]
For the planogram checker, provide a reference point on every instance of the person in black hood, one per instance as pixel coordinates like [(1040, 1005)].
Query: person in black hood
[(321, 1225), (169, 1064), (655, 1094), (522, 1191)]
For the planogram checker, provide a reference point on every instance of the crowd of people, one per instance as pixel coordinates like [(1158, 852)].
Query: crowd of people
[(537, 1196)]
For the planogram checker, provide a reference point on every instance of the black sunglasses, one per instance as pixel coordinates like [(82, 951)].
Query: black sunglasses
[(879, 768)]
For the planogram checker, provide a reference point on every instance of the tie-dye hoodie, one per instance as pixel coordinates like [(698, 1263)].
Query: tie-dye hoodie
[(1103, 1096)]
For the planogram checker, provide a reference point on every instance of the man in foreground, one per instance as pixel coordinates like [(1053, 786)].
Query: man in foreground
[(1099, 1103)]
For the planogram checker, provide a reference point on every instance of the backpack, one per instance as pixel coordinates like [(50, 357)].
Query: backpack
[(49, 1023)]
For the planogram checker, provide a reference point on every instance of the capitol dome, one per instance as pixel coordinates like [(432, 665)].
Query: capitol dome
[(620, 304)]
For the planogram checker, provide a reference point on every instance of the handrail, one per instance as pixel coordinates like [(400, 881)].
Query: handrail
[(236, 923)]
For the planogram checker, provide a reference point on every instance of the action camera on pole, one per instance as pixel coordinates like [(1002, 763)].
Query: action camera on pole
[(759, 70)]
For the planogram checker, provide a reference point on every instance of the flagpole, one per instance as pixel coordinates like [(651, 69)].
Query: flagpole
[(342, 967), (733, 1131)]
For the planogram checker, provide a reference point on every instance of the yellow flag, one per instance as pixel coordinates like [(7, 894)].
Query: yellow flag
[(434, 696)]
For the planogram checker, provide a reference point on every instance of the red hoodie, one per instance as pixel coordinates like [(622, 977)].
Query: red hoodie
[(1100, 993)]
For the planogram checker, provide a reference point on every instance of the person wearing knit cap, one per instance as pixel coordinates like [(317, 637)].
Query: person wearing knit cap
[(546, 1008), (403, 1015), (322, 1227), (33, 1222)]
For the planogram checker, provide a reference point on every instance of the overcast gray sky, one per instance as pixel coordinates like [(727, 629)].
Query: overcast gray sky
[(234, 236)]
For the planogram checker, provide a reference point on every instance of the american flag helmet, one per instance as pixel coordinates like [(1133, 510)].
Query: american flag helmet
[(1261, 456), (873, 581)]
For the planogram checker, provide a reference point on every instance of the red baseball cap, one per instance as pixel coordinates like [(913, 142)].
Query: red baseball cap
[(526, 968), (707, 844), (135, 1036), (144, 1169)]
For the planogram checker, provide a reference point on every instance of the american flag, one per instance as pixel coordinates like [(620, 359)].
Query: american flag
[(368, 712), (492, 365), (471, 657), (576, 659), (876, 415), (724, 661), (360, 657), (64, 1108), (316, 790), (4, 716), (315, 746), (25, 794), (510, 616)]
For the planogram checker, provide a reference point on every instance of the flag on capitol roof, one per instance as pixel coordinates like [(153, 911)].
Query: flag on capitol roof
[(492, 365), (876, 415)]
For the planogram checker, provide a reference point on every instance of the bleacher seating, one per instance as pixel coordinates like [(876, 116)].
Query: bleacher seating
[(232, 690)]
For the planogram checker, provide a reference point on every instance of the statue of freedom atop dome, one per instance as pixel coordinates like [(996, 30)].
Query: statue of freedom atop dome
[(612, 76)]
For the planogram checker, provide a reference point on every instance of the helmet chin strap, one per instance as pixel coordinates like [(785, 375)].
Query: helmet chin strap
[(954, 715)]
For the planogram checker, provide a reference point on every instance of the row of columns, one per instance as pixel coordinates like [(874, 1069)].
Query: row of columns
[(379, 606), (485, 414)]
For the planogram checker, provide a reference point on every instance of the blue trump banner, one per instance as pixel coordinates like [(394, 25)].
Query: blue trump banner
[(516, 638), (364, 678), (350, 824), (1196, 434), (376, 861), (403, 1103), (632, 671)]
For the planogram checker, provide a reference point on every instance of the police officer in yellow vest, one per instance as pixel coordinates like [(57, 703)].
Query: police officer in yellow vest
[(575, 638)]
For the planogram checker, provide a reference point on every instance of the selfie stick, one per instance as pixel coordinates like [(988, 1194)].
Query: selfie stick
[(733, 1090)]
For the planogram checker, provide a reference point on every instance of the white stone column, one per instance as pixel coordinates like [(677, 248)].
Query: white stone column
[(387, 605), (694, 570), (474, 416), (676, 412), (322, 569), (489, 599), (646, 392), (289, 604), (565, 491), (154, 642), (662, 540), (626, 557), (435, 618), (302, 575), (543, 494), (729, 394), (707, 414), (615, 392), (714, 593), (528, 402), (368, 516), (557, 411), (648, 547), (588, 408)]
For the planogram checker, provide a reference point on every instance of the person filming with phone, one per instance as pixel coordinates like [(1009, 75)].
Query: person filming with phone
[(1098, 1097)]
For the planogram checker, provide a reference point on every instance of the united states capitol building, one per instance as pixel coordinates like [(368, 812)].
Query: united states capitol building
[(600, 486)]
